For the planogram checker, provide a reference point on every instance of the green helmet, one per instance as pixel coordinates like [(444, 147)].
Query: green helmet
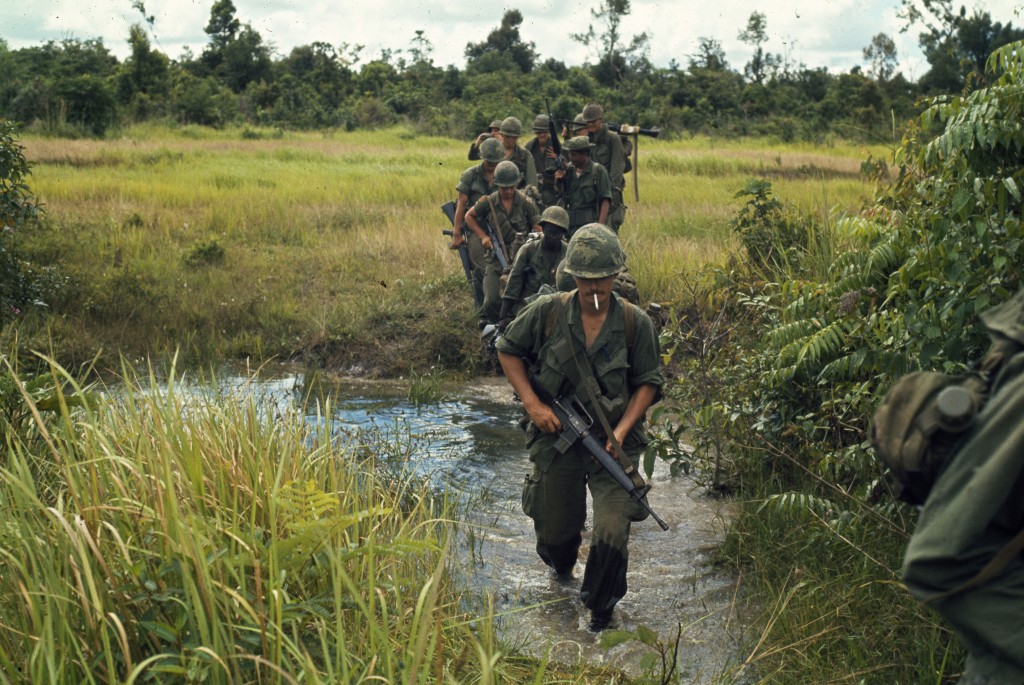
[(578, 144), (506, 174), (594, 252), (578, 123), (491, 150), (511, 127), (556, 216), (495, 124), (541, 123), (592, 112)]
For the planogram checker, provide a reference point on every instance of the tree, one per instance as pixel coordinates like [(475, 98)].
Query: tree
[(18, 205), (236, 54), (881, 55), (143, 77), (710, 55), (755, 35), (612, 56), (503, 49)]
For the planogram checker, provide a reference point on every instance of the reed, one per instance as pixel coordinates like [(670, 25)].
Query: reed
[(156, 535)]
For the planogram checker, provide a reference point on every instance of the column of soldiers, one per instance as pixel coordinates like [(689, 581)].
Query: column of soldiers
[(520, 205)]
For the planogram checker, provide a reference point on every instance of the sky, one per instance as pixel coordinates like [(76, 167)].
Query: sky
[(819, 33)]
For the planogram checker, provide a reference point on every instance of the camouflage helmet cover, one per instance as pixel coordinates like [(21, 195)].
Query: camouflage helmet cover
[(578, 122), (594, 252), (506, 174), (491, 150), (511, 127), (496, 125), (578, 144), (556, 216), (592, 112), (541, 123)]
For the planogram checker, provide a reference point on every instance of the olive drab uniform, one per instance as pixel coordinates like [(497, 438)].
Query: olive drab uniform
[(584, 191), (546, 168), (520, 220), (607, 152), (554, 494), (534, 267), (974, 508), (527, 169), (474, 185)]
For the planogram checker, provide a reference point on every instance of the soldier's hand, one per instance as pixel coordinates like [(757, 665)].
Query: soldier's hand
[(486, 241), (544, 418), (458, 240), (503, 324)]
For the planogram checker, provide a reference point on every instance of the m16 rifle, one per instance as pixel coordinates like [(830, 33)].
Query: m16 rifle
[(576, 423), (448, 208)]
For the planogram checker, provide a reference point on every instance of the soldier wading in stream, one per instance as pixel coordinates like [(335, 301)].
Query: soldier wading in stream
[(589, 336)]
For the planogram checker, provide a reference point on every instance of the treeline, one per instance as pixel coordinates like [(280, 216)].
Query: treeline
[(77, 87)]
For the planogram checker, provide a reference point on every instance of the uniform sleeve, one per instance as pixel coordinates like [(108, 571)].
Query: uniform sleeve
[(645, 356), (604, 184), (465, 185), (483, 209)]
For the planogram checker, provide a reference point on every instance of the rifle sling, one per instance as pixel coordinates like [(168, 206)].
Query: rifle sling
[(584, 375)]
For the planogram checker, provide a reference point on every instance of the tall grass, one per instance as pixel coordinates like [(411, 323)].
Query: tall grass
[(159, 536), (331, 242)]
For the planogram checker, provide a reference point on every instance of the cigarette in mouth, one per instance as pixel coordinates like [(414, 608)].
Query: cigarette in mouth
[(596, 305)]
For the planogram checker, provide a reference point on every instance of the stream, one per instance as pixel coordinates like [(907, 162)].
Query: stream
[(470, 442)]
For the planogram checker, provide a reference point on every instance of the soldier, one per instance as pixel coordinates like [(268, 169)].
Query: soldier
[(491, 132), (508, 212), (587, 190), (535, 264), (616, 352), (964, 559), (608, 153), (476, 182), (544, 159), (511, 130)]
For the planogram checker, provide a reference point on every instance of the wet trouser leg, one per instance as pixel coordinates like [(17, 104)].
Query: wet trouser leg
[(604, 580), (491, 289), (476, 260), (555, 497)]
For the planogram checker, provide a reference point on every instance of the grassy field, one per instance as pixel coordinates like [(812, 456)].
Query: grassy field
[(326, 248)]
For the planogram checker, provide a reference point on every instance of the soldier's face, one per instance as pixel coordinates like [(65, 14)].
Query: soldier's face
[(510, 141), (579, 159), (589, 287), (506, 193), (542, 137), (594, 126)]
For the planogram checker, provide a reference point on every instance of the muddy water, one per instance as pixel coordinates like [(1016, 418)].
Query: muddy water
[(471, 445)]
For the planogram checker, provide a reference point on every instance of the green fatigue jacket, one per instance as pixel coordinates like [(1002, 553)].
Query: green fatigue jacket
[(554, 493), (546, 168), (521, 219), (586, 189), (974, 508), (618, 371), (527, 169), (474, 184), (530, 271), (607, 152)]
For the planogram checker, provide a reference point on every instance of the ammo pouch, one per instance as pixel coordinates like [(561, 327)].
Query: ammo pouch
[(924, 418)]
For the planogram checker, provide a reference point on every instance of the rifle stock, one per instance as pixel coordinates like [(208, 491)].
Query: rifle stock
[(576, 423)]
